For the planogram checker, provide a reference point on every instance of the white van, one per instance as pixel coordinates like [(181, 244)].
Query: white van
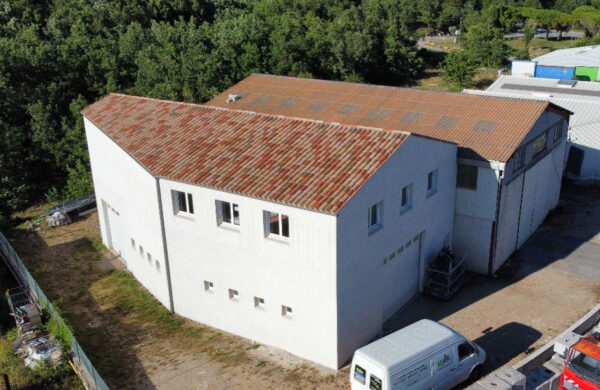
[(424, 355)]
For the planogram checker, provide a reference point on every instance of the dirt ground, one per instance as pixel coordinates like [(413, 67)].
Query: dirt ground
[(134, 344)]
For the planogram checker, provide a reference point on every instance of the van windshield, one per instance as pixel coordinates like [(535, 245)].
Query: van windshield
[(585, 366)]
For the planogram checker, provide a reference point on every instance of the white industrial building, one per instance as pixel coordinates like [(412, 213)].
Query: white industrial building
[(510, 151), (296, 233), (580, 97)]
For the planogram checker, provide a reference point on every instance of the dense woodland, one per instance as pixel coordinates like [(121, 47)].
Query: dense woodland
[(58, 56)]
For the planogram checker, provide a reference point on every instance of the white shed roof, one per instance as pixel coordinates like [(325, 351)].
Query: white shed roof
[(583, 98), (577, 56), (408, 343)]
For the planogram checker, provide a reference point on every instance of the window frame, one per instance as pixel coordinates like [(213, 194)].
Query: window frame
[(234, 209), (267, 217), (536, 142), (558, 130), (378, 224), (209, 286), (188, 200), (406, 205), (463, 184), (519, 158), (472, 347), (434, 182), (234, 294), (287, 311), (259, 303)]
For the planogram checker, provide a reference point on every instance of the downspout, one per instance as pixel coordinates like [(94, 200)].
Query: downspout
[(164, 241), (495, 224)]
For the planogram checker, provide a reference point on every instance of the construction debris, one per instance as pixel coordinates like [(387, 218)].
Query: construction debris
[(65, 212), (58, 218), (33, 344)]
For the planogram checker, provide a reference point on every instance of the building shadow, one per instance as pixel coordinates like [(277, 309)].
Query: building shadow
[(109, 341)]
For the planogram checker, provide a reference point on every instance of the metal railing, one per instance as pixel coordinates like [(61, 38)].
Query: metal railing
[(86, 370)]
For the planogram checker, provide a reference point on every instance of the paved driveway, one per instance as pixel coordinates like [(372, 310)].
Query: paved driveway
[(550, 283)]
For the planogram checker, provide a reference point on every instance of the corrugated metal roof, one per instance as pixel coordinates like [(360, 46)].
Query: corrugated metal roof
[(576, 56), (585, 108), (298, 162), (411, 110)]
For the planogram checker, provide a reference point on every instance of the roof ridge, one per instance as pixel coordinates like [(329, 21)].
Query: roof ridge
[(261, 114), (423, 91)]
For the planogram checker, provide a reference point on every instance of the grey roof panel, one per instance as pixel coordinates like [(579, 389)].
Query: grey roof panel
[(379, 113), (447, 121), (564, 91), (485, 126), (262, 99), (347, 109), (412, 117), (317, 106), (289, 102)]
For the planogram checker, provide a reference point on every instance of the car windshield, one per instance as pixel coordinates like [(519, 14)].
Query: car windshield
[(585, 366)]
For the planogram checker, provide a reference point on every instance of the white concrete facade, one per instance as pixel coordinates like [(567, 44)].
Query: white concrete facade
[(338, 278), (509, 205), (125, 186)]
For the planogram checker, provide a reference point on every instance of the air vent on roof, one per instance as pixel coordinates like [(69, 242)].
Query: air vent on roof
[(317, 106), (412, 117), (379, 113), (347, 109), (289, 102), (262, 99), (236, 96), (566, 83), (485, 126), (447, 121)]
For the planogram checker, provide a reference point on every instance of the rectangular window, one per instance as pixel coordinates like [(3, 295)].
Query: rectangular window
[(157, 264), (558, 130), (519, 159), (259, 302), (182, 202), (133, 243), (149, 257), (375, 217), (539, 144), (406, 198), (228, 213), (141, 251), (432, 179), (286, 311), (233, 294), (466, 176), (208, 286), (276, 224)]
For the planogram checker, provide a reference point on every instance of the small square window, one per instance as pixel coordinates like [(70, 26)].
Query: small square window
[(141, 251), (157, 265), (539, 144), (375, 217), (558, 130), (519, 159), (432, 182), (182, 202), (149, 256), (259, 302), (406, 198), (208, 286), (276, 224), (228, 213), (133, 243), (233, 294), (286, 311)]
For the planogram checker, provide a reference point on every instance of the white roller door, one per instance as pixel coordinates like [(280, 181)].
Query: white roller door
[(401, 276), (114, 231)]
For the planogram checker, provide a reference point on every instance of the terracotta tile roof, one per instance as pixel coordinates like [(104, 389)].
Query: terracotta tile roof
[(298, 162), (484, 127)]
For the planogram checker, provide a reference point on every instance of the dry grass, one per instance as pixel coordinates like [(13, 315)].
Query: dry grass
[(128, 335), (541, 46)]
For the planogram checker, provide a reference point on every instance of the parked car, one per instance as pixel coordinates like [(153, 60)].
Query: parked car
[(423, 355)]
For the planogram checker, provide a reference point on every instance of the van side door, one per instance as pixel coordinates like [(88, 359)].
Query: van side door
[(415, 377), (468, 357), (444, 365)]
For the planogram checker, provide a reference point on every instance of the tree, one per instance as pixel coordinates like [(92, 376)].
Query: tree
[(549, 19), (460, 68), (486, 46), (529, 32), (589, 18)]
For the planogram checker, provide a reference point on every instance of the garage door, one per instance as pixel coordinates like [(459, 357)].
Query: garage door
[(114, 231), (401, 275)]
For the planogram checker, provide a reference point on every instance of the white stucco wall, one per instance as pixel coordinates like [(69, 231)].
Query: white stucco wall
[(474, 215), (126, 186), (298, 272), (362, 275)]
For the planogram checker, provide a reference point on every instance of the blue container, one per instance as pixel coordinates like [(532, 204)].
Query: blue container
[(555, 72)]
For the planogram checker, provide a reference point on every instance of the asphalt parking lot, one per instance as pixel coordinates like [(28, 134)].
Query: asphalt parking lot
[(551, 282)]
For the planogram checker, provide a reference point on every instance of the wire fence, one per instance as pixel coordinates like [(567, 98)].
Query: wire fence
[(86, 370)]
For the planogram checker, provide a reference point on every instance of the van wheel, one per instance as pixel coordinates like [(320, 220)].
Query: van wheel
[(475, 374)]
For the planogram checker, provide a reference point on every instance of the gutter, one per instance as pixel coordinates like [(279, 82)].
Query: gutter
[(164, 242)]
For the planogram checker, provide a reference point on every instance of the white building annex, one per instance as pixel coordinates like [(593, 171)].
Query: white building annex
[(580, 97), (510, 151), (296, 233)]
